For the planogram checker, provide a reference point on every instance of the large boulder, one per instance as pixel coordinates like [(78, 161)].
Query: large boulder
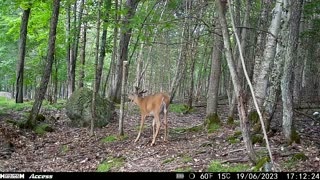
[(5, 94), (79, 109)]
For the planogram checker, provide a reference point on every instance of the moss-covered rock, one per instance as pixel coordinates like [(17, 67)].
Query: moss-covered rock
[(79, 109)]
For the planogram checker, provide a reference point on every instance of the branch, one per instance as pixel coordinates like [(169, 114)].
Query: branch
[(267, 32), (308, 116)]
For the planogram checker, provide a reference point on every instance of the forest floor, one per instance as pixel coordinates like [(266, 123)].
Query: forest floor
[(70, 149)]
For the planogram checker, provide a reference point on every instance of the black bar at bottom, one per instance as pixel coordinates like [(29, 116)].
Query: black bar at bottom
[(162, 175)]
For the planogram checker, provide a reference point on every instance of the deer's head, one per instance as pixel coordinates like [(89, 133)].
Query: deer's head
[(136, 94)]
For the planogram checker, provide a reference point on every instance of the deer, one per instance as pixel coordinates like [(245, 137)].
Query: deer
[(152, 105)]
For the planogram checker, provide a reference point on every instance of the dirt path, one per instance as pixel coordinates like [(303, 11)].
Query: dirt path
[(72, 149)]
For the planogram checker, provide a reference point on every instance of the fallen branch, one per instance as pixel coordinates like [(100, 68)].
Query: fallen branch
[(233, 151), (308, 116)]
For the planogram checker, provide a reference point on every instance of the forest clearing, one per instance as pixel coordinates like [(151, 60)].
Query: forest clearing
[(84, 83)]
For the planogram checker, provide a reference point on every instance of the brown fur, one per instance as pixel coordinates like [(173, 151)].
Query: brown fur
[(152, 105)]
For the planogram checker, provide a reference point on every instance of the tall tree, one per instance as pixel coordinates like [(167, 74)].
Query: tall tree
[(262, 67), (125, 35), (74, 46), (213, 90), (290, 57), (83, 54), (22, 53), (49, 61), (99, 57)]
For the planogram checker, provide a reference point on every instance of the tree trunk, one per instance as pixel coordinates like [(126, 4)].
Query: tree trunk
[(55, 82), (236, 83), (83, 55), (111, 73), (46, 76), (123, 92), (139, 66), (213, 91), (180, 66), (74, 48), (261, 40), (262, 68), (103, 45), (68, 44), (125, 36), (298, 67), (22, 53), (290, 57)]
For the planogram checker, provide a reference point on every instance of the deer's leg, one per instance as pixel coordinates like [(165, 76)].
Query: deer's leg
[(153, 127), (140, 129), (157, 120)]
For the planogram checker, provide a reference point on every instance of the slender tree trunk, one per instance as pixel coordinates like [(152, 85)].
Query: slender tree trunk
[(213, 91), (103, 45), (50, 58), (180, 66), (123, 92), (68, 42), (139, 66), (83, 54), (111, 73), (290, 57), (55, 82), (236, 83), (96, 65), (298, 67), (75, 44), (22, 53)]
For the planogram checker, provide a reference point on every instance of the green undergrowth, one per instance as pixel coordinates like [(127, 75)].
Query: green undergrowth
[(182, 130), (181, 108), (10, 104), (111, 163), (113, 138), (217, 166)]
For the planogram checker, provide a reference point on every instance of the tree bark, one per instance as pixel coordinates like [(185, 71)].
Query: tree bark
[(83, 54), (96, 66), (125, 36), (262, 68), (236, 83), (123, 92), (22, 53), (68, 45), (213, 90), (180, 65), (46, 76), (290, 57), (74, 47), (111, 73)]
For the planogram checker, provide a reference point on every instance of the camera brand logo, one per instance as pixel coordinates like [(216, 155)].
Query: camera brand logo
[(11, 176)]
